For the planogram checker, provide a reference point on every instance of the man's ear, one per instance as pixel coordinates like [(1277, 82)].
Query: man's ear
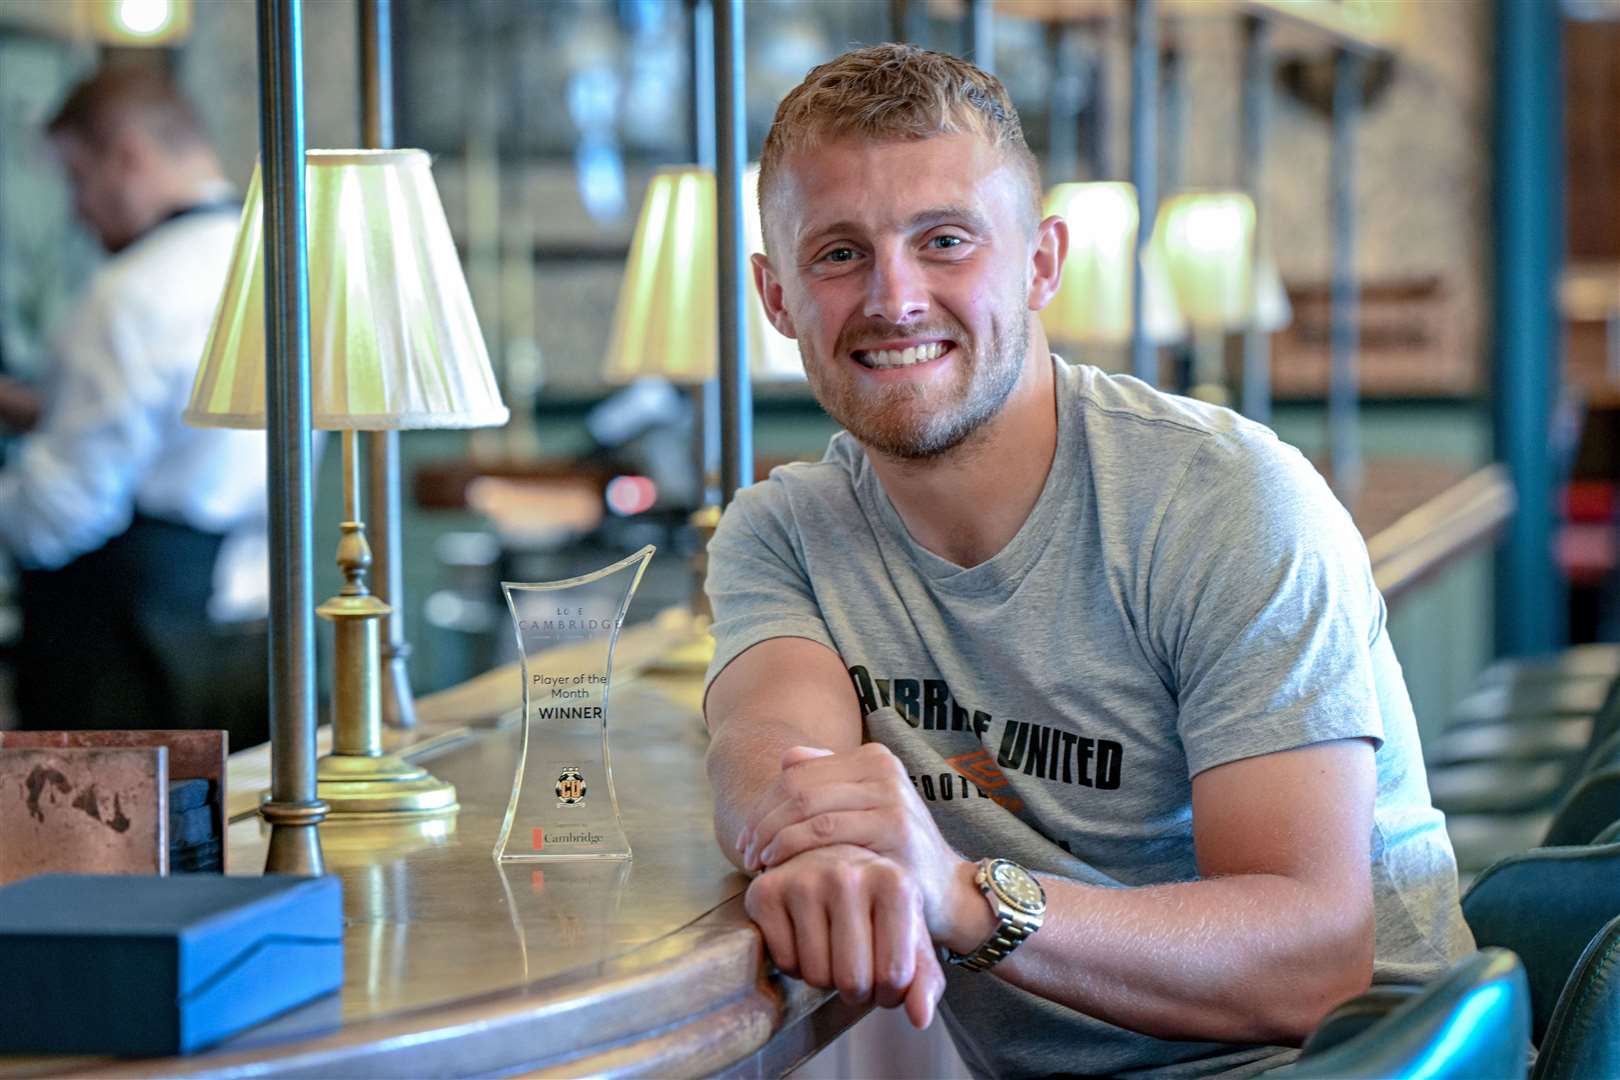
[(1046, 261), (770, 294)]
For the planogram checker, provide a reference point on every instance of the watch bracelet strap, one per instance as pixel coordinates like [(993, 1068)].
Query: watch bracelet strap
[(1008, 936)]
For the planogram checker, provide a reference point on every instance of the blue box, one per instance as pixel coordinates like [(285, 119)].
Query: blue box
[(124, 964)]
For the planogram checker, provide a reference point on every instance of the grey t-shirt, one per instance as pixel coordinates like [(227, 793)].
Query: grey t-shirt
[(1186, 592)]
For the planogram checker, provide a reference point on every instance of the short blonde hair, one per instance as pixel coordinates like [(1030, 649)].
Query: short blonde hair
[(895, 91)]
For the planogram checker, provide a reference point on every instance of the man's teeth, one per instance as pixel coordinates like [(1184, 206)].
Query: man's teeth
[(886, 358)]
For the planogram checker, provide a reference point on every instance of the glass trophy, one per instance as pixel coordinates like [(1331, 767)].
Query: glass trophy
[(563, 803)]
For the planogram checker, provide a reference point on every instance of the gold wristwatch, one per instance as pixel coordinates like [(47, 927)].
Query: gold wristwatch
[(1019, 904)]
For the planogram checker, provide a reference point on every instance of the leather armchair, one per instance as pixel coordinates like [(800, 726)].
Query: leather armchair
[(1572, 813), (1592, 661), (1583, 1037), (1518, 767), (1545, 905), (1474, 1022)]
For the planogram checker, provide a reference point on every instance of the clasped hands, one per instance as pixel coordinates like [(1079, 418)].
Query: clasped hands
[(860, 884)]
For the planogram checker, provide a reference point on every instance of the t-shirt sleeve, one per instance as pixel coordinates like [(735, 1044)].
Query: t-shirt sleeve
[(757, 584), (1264, 608)]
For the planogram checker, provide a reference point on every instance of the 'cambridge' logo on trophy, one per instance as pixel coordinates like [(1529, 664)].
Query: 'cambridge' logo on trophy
[(570, 787), (566, 631)]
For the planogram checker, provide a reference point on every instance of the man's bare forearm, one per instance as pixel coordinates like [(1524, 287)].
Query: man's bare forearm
[(1276, 931), (782, 693), (1248, 958), (743, 761)]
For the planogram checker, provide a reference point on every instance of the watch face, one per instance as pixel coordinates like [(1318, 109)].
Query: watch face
[(1018, 887)]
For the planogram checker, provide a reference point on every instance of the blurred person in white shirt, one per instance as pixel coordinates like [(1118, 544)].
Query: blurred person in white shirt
[(136, 536)]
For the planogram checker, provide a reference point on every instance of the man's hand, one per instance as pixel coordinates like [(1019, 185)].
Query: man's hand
[(843, 918), (865, 799), (20, 405)]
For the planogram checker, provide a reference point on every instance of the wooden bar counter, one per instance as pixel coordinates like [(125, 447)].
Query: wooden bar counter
[(456, 965)]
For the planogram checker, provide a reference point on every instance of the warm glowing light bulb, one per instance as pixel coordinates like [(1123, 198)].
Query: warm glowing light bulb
[(142, 18)]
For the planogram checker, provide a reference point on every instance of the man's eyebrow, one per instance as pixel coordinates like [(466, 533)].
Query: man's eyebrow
[(935, 215), (965, 215)]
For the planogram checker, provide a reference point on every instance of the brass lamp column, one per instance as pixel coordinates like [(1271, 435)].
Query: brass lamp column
[(394, 345), (357, 779)]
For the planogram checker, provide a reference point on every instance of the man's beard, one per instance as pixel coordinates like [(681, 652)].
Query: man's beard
[(898, 421)]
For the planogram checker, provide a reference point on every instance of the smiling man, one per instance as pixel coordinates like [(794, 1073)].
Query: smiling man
[(1084, 685)]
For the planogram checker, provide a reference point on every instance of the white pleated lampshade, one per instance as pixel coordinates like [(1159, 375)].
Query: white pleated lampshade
[(1206, 239), (1093, 301), (666, 322), (394, 341)]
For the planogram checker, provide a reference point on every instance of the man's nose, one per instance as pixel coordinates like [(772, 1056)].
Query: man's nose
[(895, 291)]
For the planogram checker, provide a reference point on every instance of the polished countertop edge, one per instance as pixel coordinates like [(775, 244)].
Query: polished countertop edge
[(702, 985)]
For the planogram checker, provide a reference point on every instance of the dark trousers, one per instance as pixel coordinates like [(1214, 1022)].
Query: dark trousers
[(120, 638)]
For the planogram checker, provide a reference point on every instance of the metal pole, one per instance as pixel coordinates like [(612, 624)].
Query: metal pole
[(706, 401), (1063, 113), (1528, 217), (981, 34), (1256, 393), (483, 184), (1173, 114), (293, 811), (736, 394), (1344, 384), (377, 73), (908, 22), (1098, 139), (1144, 172), (703, 85), (382, 447)]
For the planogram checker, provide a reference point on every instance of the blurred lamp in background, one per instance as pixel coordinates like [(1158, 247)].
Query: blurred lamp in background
[(141, 22), (1092, 307), (1206, 241), (394, 345), (666, 322), (667, 326), (131, 24)]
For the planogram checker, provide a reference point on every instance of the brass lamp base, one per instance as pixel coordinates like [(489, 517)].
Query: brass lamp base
[(373, 788), (358, 781)]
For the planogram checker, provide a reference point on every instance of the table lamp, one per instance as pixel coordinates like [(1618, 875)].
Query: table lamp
[(1206, 240), (394, 345), (1093, 302), (666, 325)]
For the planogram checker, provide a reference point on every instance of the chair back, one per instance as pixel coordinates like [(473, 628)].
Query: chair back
[(1472, 1022), (1610, 835), (1591, 806), (1583, 1038), (1545, 904), (1606, 721)]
